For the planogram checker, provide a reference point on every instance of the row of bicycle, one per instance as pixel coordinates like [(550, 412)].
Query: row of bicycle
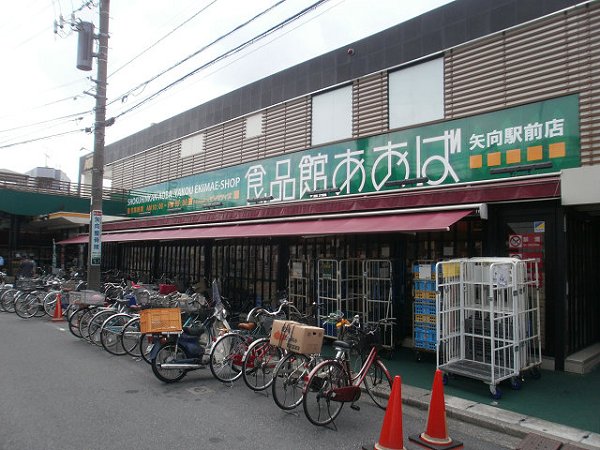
[(321, 382), (35, 297)]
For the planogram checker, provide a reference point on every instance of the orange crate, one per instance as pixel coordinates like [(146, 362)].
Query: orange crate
[(160, 320)]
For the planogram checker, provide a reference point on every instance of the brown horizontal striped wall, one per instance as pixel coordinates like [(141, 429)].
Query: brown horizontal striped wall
[(161, 163), (370, 105), (287, 127), (551, 57)]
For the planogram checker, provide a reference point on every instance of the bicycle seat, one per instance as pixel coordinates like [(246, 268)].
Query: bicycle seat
[(195, 331), (248, 326), (342, 344)]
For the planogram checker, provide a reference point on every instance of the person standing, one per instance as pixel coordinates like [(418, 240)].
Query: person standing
[(27, 267)]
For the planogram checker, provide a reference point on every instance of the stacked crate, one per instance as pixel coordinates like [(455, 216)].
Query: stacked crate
[(424, 334)]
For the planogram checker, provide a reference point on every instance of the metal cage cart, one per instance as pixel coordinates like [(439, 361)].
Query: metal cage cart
[(356, 286), (424, 317), (299, 284), (488, 319), (378, 297), (339, 288)]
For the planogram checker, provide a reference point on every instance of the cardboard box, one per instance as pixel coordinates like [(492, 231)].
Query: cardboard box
[(297, 337)]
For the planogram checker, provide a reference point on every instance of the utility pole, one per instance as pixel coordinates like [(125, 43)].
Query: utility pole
[(95, 241)]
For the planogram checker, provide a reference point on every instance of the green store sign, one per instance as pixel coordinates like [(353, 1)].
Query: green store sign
[(540, 137)]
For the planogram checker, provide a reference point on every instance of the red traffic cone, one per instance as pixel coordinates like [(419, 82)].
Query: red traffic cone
[(58, 314), (436, 435), (392, 436)]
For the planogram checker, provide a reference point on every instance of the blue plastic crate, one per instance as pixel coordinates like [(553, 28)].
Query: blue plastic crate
[(424, 285), (426, 345), (425, 333), (425, 307)]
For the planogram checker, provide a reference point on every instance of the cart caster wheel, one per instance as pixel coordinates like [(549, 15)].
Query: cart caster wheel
[(515, 383), (495, 392), (535, 373), (445, 379)]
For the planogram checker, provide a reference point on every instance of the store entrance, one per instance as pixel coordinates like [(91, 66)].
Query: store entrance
[(529, 231)]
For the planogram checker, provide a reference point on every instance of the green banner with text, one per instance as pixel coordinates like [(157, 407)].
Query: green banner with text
[(540, 137)]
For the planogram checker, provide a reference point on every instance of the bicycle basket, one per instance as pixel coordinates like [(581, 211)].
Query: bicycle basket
[(187, 304), (267, 321), (370, 337), (69, 285), (26, 284)]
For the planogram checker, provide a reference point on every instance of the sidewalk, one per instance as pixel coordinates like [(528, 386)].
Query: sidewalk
[(559, 405)]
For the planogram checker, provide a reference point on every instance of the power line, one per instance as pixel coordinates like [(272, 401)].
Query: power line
[(68, 116), (145, 83), (163, 38), (225, 55), (42, 138)]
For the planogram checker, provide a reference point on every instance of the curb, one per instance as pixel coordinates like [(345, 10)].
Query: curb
[(497, 419)]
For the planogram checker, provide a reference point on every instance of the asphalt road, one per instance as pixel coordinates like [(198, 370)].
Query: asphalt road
[(58, 392)]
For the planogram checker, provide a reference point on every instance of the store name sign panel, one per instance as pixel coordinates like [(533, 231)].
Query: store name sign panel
[(540, 137)]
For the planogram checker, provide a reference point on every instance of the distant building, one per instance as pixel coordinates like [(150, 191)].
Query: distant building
[(49, 178)]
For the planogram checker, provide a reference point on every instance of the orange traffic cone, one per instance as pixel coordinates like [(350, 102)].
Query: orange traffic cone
[(58, 314), (436, 436), (391, 436)]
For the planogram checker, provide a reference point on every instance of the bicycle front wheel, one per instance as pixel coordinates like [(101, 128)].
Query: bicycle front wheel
[(8, 300), (319, 407), (26, 305), (85, 319), (226, 357), (130, 337), (50, 303), (110, 333), (147, 343), (378, 384), (289, 378), (74, 322), (39, 310), (258, 364), (95, 326)]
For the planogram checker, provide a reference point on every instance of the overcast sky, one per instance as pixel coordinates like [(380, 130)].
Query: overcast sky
[(41, 90)]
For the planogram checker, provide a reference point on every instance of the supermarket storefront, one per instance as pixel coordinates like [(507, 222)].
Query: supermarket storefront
[(484, 185)]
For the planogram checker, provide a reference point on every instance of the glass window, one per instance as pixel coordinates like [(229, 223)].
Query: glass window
[(254, 125), (332, 116), (526, 240), (192, 145), (417, 94)]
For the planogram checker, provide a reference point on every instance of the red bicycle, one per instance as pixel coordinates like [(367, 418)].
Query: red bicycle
[(332, 383)]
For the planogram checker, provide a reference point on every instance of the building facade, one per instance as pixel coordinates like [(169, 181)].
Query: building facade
[(472, 130)]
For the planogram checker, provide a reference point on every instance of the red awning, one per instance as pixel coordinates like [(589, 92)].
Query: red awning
[(501, 190), (389, 223)]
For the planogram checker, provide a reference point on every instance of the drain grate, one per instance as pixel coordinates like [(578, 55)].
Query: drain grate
[(537, 442)]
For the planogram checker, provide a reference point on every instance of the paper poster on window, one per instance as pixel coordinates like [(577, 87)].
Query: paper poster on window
[(296, 270), (501, 275), (539, 226), (424, 271), (532, 240)]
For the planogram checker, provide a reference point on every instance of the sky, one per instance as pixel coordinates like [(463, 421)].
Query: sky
[(154, 43)]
